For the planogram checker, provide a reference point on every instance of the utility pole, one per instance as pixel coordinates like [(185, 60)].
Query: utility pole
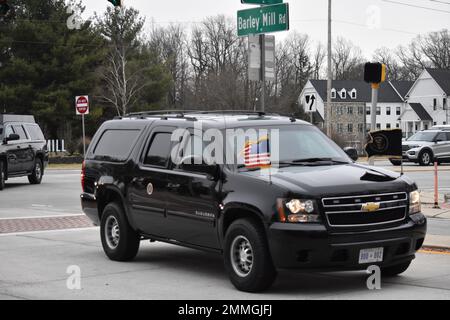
[(330, 74), (263, 72)]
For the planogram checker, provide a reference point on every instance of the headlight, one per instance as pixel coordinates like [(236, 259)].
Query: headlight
[(297, 211), (415, 205)]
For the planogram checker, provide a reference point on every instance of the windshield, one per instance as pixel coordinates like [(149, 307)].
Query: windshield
[(423, 136), (291, 144)]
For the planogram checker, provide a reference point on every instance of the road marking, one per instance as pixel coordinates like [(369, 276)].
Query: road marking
[(435, 251), (48, 216), (46, 231)]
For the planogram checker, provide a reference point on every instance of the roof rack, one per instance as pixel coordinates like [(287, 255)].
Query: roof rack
[(163, 114)]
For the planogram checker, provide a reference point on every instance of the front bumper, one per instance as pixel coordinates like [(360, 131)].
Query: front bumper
[(313, 247)]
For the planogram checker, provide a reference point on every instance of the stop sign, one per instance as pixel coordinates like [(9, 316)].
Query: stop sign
[(82, 105)]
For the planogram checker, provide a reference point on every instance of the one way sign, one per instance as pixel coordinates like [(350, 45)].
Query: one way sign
[(310, 100)]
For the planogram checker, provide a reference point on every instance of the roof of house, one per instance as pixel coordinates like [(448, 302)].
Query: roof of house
[(421, 112), (363, 89), (442, 77), (402, 87)]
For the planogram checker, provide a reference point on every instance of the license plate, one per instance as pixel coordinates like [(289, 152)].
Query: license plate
[(371, 255)]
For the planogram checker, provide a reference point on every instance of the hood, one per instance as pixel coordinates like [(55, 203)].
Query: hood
[(417, 143), (337, 180)]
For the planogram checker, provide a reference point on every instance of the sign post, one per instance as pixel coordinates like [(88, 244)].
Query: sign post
[(82, 108), (271, 16), (375, 74)]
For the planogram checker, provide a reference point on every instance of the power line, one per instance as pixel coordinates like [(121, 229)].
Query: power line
[(415, 6), (438, 1)]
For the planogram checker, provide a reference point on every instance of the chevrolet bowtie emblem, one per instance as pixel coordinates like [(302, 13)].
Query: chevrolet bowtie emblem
[(370, 207)]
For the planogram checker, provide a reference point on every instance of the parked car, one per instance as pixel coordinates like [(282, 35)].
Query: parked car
[(426, 147), (23, 149), (318, 211)]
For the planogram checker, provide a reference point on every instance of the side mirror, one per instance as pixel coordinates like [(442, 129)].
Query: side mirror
[(438, 140), (198, 165), (352, 153), (12, 137)]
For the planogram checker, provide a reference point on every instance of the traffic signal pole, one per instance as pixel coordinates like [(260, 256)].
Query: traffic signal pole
[(373, 113), (263, 72)]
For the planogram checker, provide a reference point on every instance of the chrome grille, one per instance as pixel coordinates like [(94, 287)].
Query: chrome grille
[(348, 211)]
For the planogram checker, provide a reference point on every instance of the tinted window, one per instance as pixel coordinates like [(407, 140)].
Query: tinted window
[(8, 131), (18, 129), (159, 151), (115, 145), (441, 137), (34, 132), (448, 136)]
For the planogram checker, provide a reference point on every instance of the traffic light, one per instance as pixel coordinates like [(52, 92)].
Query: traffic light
[(116, 3), (374, 72)]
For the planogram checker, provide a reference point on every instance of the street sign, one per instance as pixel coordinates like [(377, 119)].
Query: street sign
[(310, 100), (263, 20), (82, 105), (261, 1), (269, 57), (254, 58)]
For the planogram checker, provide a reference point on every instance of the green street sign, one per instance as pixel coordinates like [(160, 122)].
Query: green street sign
[(263, 20), (261, 1)]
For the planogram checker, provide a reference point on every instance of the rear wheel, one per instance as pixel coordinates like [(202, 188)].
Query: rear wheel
[(2, 175), (120, 242), (425, 158), (247, 258), (38, 171), (393, 271)]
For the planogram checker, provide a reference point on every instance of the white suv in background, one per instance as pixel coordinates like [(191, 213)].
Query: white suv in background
[(427, 146)]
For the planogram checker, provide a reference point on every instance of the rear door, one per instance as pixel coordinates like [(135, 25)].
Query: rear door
[(441, 145), (27, 155), (148, 189), (13, 152)]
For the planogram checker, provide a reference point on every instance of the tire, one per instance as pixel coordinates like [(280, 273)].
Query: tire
[(123, 243), (258, 272), (2, 175), (425, 158), (395, 270), (395, 162), (38, 172)]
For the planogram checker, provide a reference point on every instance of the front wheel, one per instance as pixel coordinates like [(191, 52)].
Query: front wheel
[(425, 158), (393, 271), (247, 258), (38, 171), (120, 242)]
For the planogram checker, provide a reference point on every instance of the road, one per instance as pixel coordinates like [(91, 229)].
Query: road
[(37, 266), (36, 269)]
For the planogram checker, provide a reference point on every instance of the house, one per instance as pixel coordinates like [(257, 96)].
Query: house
[(351, 106), (427, 102)]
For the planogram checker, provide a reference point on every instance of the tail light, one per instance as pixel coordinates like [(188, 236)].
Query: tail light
[(83, 175)]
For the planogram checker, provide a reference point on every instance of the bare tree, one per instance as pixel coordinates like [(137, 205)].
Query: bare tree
[(394, 70), (436, 48), (318, 58), (123, 76), (347, 60)]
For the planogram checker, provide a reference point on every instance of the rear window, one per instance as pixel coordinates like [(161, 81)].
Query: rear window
[(115, 145), (35, 132), (18, 129)]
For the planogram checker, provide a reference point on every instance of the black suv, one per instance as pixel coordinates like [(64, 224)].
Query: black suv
[(23, 149), (311, 208)]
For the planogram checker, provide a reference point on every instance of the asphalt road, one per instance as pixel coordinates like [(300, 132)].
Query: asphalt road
[(37, 266), (37, 269)]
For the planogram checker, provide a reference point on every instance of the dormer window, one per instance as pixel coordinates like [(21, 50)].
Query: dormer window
[(333, 93), (353, 94), (343, 94)]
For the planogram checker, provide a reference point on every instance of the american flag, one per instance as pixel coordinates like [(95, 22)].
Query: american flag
[(257, 154)]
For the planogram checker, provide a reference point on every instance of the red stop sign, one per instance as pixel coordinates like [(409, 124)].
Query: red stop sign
[(82, 105)]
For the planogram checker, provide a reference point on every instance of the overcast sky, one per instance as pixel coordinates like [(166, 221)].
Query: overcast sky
[(369, 24)]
